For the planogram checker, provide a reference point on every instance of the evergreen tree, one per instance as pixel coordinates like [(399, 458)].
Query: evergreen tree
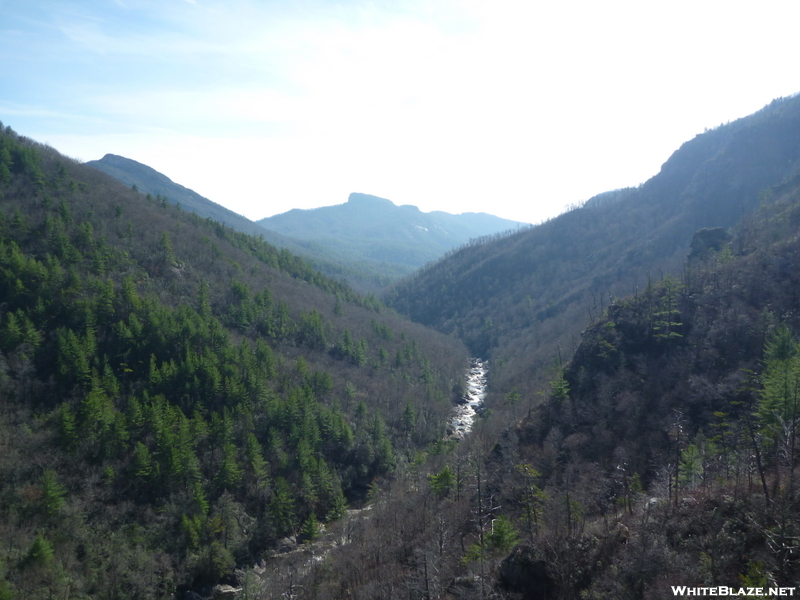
[(442, 482), (503, 537), (281, 507), (52, 493), (310, 529), (40, 553), (230, 473)]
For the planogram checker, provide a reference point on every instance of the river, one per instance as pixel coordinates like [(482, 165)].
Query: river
[(472, 402)]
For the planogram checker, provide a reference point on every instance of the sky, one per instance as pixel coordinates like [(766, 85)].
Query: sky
[(516, 108)]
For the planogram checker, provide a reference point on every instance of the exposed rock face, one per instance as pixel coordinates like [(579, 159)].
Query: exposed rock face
[(224, 592), (287, 544), (709, 238)]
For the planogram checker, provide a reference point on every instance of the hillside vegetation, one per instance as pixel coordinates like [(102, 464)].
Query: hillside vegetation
[(518, 298), (149, 181), (662, 454), (176, 396), (182, 404), (666, 450), (368, 242)]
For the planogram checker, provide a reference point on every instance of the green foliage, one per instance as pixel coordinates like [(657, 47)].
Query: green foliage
[(17, 329), (691, 465), (311, 331), (40, 553), (778, 403), (192, 528), (74, 356), (409, 418), (503, 536), (230, 473), (6, 592), (513, 397), (255, 460), (500, 540), (725, 255), (142, 466), (665, 318), (337, 505), (533, 496), (559, 389), (67, 428), (282, 508), (756, 576), (474, 553), (52, 494), (194, 416), (442, 482), (310, 529), (216, 562)]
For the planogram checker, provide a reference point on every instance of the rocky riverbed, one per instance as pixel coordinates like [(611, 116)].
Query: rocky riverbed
[(471, 403)]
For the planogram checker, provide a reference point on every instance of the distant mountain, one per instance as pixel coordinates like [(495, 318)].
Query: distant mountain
[(149, 181), (370, 247), (374, 230), (522, 297)]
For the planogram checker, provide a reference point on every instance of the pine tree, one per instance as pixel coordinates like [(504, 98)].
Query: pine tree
[(52, 493), (503, 536), (281, 507), (67, 428), (230, 473), (255, 460), (310, 529), (142, 463), (533, 495), (666, 317), (442, 482), (781, 380), (40, 553)]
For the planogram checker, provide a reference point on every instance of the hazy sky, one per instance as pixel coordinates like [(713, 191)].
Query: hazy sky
[(517, 108)]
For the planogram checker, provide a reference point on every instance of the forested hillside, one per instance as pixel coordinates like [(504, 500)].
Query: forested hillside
[(368, 241), (182, 404), (666, 451), (176, 396), (517, 299), (149, 181), (662, 454)]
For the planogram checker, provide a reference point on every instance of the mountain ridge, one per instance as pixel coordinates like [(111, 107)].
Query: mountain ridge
[(148, 180), (370, 227), (531, 292), (369, 268)]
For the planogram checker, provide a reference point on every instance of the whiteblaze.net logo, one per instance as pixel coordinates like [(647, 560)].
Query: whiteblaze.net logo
[(726, 591)]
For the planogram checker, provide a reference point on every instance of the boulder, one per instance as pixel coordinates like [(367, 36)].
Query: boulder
[(287, 544), (523, 573), (709, 238), (225, 592)]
